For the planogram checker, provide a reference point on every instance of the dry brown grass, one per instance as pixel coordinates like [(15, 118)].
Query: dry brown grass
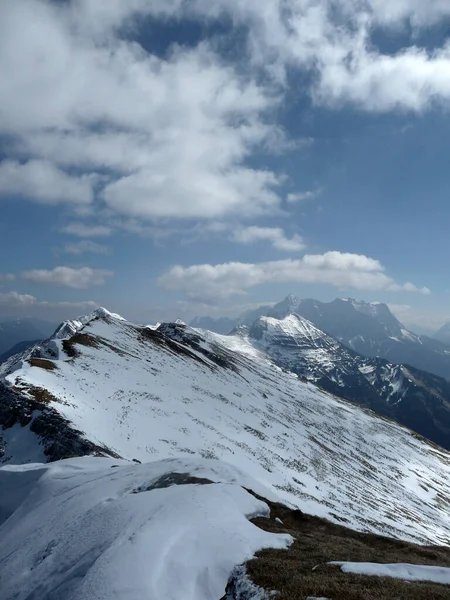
[(41, 395), (318, 541), (43, 363), (82, 339)]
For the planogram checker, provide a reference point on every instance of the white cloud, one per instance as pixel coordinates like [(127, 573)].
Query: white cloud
[(85, 246), (414, 79), (417, 12), (84, 231), (274, 235), (77, 278), (86, 305), (300, 196), (16, 299), (177, 131), (347, 271), (40, 181), (6, 277)]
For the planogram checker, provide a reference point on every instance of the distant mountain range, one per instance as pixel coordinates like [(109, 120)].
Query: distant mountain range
[(443, 334), (369, 329), (18, 334), (18, 348), (415, 398)]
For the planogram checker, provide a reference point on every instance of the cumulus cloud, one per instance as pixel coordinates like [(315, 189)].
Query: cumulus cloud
[(41, 181), (177, 131), (300, 196), (77, 278), (275, 235), (16, 299), (85, 231), (84, 305), (342, 270), (84, 247)]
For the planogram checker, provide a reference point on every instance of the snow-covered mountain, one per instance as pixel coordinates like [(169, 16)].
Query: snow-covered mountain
[(414, 398), (105, 386), (443, 334), (372, 330), (369, 328)]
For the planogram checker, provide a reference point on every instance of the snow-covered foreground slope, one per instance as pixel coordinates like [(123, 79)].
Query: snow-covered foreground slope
[(92, 528), (150, 395)]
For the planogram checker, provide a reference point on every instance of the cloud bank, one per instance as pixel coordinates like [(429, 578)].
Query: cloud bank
[(343, 270), (75, 278), (178, 129)]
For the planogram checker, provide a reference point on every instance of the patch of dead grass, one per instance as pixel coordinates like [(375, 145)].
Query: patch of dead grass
[(43, 363), (81, 339), (302, 570), (41, 395)]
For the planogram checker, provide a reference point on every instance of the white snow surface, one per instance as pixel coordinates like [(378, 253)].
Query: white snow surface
[(293, 325), (147, 399), (69, 328), (80, 529), (403, 571)]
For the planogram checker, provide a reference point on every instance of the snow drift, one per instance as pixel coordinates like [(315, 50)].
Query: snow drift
[(91, 529)]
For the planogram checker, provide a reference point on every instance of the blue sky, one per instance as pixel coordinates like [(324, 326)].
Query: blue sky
[(172, 158)]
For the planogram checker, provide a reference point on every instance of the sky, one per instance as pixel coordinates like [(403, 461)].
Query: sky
[(168, 158)]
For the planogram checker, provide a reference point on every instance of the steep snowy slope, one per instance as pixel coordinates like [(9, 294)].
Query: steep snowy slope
[(173, 392), (414, 398)]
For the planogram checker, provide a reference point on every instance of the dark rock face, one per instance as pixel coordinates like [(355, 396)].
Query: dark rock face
[(56, 435), (188, 338)]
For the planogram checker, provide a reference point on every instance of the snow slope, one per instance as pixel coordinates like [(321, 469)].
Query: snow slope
[(414, 398), (406, 572), (174, 392), (168, 530)]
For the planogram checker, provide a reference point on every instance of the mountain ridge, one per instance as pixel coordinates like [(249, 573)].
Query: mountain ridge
[(414, 398), (144, 394), (367, 328)]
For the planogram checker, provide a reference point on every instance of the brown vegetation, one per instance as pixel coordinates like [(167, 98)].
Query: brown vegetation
[(303, 569), (43, 363), (82, 339), (41, 395)]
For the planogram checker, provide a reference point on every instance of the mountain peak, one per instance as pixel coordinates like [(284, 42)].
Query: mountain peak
[(286, 307), (443, 334), (72, 326)]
